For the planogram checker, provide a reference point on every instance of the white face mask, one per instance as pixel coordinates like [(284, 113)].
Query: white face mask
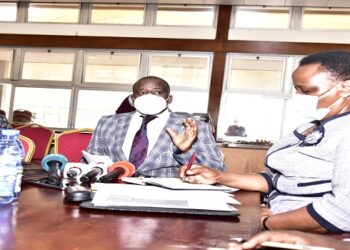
[(150, 104), (306, 107)]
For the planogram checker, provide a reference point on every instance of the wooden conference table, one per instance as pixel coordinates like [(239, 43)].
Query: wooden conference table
[(43, 219)]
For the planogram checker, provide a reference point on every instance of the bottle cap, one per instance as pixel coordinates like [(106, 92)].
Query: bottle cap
[(10, 132)]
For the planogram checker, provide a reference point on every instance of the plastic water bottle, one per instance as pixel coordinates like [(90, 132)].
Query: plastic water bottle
[(11, 152), (19, 167)]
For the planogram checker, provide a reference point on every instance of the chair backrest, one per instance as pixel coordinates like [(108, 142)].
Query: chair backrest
[(42, 137), (70, 143), (17, 124), (29, 148)]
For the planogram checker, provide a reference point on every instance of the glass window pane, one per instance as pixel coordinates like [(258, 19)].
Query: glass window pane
[(322, 18), (6, 57), (189, 15), (181, 70), (111, 67), (256, 73), (53, 13), (117, 14), (8, 12), (5, 96), (88, 113), (190, 102), (262, 17), (263, 120), (50, 107), (48, 65)]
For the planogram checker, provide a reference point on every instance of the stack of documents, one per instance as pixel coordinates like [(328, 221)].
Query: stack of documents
[(158, 199)]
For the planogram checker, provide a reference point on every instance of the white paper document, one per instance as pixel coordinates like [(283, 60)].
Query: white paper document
[(176, 183), (90, 158), (288, 246), (157, 197)]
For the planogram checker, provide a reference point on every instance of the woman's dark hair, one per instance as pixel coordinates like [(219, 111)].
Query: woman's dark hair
[(335, 62)]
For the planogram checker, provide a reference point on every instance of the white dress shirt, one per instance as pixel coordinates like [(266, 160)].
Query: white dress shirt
[(154, 128)]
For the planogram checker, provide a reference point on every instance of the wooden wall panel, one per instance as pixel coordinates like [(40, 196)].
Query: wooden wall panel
[(216, 86)]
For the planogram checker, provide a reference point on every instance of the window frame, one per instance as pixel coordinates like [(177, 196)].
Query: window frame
[(214, 22), (320, 29), (284, 95), (121, 24), (43, 82), (16, 15), (236, 9), (79, 8)]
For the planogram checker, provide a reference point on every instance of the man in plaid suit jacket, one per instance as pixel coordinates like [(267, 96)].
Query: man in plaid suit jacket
[(172, 140)]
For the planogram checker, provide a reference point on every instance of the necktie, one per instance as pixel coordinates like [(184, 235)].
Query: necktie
[(139, 146)]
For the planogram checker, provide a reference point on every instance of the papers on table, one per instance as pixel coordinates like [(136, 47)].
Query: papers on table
[(279, 245), (90, 158), (176, 183), (126, 195)]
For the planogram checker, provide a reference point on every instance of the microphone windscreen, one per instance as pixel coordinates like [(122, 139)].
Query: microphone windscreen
[(54, 158), (128, 167)]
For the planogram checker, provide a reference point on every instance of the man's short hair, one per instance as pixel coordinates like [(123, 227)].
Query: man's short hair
[(335, 62), (164, 83)]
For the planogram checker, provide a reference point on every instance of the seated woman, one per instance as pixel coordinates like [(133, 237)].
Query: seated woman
[(308, 182)]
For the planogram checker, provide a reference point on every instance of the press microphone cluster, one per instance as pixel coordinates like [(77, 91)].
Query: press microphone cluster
[(98, 172), (58, 168)]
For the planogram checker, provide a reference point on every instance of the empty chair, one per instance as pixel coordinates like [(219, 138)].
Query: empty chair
[(126, 106), (70, 143), (29, 148), (41, 136)]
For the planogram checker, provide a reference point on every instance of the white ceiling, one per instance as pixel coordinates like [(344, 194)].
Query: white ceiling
[(310, 3)]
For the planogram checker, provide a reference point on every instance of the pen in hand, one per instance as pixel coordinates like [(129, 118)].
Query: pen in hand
[(189, 165)]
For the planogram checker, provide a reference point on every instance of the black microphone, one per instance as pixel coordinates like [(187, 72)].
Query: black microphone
[(118, 170), (73, 170), (92, 175), (54, 164)]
